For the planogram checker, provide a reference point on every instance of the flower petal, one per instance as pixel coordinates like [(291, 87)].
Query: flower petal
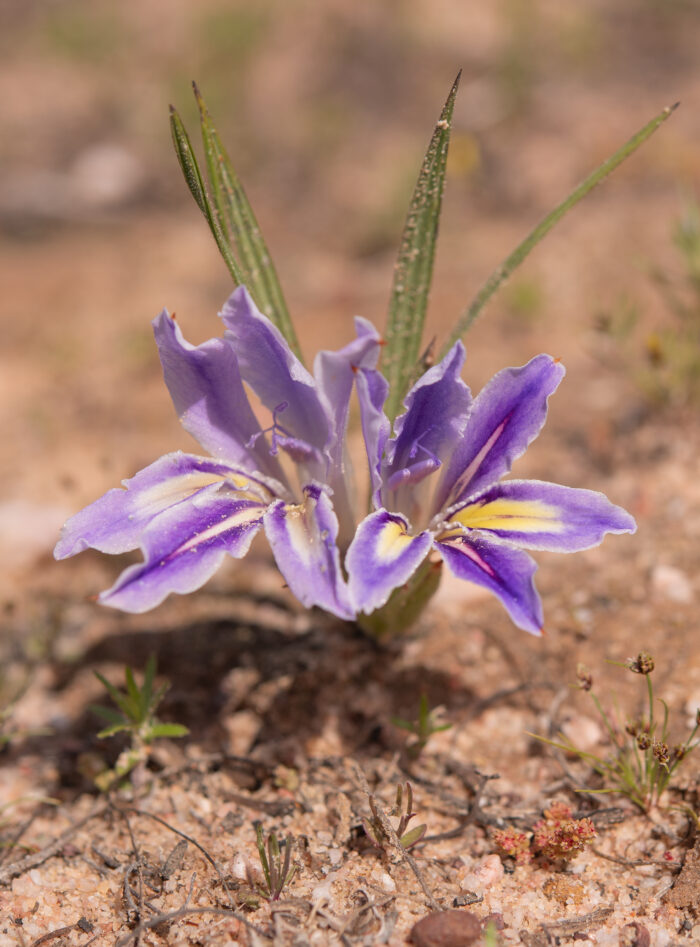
[(303, 541), (381, 557), (503, 569), (272, 370), (335, 373), (436, 411), (540, 515), (115, 522), (506, 416), (372, 390), (184, 546), (206, 387)]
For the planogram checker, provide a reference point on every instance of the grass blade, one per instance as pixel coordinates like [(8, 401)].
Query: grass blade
[(414, 266), (147, 689), (120, 699), (193, 177), (134, 694), (240, 227), (507, 267)]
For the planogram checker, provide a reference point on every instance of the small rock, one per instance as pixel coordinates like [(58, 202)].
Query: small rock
[(562, 889), (239, 867), (495, 919), (685, 893), (469, 897), (671, 584), (582, 731), (447, 929), (106, 175), (634, 935), (488, 871)]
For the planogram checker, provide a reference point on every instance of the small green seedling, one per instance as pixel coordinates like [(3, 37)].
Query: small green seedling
[(491, 936), (136, 716), (277, 868), (641, 763), (423, 728), (407, 837)]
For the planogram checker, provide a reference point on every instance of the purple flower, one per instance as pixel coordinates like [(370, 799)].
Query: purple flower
[(187, 512), (439, 471)]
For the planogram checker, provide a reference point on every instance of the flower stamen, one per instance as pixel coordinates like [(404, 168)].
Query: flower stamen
[(275, 429)]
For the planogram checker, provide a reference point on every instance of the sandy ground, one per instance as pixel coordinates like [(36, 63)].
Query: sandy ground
[(289, 712)]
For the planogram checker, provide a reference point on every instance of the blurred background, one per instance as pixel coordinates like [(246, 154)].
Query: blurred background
[(326, 107)]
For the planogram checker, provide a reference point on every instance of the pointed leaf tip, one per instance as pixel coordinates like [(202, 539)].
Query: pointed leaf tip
[(414, 267), (239, 226)]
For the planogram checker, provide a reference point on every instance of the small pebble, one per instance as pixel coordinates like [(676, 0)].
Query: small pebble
[(487, 872), (447, 929), (322, 892), (634, 935), (495, 919), (672, 584), (239, 867), (582, 731)]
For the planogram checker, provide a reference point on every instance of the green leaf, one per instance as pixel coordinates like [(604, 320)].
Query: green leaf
[(513, 261), (110, 731), (414, 266), (111, 716), (403, 724), (413, 836), (167, 730), (193, 177), (148, 678), (240, 227), (120, 699), (134, 695), (262, 854)]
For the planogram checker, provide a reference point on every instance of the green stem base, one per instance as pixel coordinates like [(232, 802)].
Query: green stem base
[(405, 604)]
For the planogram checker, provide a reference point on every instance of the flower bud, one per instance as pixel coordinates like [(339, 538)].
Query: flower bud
[(584, 678), (660, 751), (642, 664)]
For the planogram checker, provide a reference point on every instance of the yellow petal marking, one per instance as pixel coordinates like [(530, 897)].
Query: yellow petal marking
[(242, 517), (392, 541), (184, 485), (300, 538), (516, 516)]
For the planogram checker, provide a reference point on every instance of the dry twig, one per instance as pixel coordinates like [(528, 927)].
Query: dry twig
[(15, 869)]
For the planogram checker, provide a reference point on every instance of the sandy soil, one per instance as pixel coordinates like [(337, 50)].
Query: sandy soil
[(289, 712)]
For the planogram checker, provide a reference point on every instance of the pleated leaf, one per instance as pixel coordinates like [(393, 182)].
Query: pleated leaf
[(193, 178), (414, 266), (240, 226), (231, 220)]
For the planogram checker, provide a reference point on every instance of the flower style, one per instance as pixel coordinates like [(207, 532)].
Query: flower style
[(439, 471)]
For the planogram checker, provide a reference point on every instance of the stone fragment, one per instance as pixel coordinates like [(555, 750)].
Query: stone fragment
[(495, 919), (685, 893), (671, 584), (634, 935), (446, 929)]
